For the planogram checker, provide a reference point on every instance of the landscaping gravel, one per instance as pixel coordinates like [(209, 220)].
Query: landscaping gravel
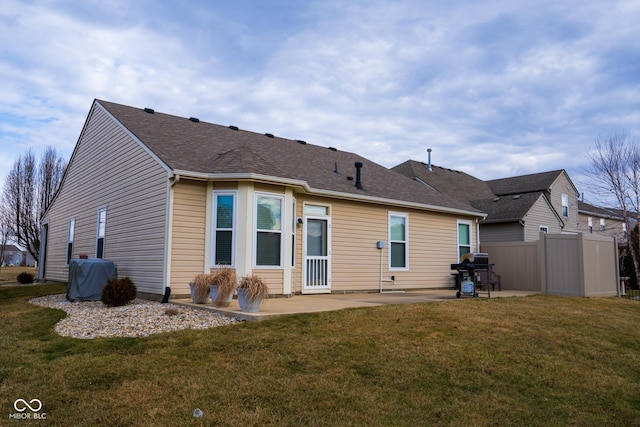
[(92, 319)]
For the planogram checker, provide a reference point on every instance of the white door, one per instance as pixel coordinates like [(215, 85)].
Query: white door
[(317, 254)]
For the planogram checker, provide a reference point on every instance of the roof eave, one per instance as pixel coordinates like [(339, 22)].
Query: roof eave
[(322, 192)]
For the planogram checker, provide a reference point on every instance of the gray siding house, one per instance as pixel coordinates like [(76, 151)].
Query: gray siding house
[(518, 208)]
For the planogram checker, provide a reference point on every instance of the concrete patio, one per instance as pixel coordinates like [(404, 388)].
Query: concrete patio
[(275, 307)]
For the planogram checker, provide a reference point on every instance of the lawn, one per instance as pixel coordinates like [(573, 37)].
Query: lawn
[(535, 361), (9, 274)]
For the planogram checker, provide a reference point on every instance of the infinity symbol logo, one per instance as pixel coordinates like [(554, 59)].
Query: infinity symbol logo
[(26, 405)]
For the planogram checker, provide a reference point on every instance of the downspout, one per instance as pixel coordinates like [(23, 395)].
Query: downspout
[(168, 238), (478, 235)]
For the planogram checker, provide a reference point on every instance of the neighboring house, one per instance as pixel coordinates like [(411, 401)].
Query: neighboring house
[(518, 208), (602, 221), (168, 197), (14, 256)]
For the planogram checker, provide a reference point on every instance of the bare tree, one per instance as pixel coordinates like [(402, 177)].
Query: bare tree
[(28, 190), (615, 172)]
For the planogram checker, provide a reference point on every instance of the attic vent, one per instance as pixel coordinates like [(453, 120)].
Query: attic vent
[(497, 199), (301, 142), (194, 119), (516, 197), (233, 128), (149, 110), (269, 135), (333, 149)]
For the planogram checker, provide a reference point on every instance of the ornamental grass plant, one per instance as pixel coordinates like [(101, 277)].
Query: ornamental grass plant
[(227, 281), (255, 287)]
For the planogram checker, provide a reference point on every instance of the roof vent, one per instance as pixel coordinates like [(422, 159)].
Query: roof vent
[(233, 128), (497, 199), (269, 135), (149, 110), (358, 166), (333, 149), (301, 142), (516, 197), (194, 119)]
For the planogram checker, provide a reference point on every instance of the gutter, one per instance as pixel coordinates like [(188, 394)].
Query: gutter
[(335, 194)]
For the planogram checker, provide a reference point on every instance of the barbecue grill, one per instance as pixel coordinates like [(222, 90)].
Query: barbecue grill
[(466, 277)]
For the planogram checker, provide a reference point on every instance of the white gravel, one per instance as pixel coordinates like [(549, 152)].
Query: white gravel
[(92, 319)]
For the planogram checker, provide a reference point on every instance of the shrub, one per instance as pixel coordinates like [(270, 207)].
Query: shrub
[(25, 278), (118, 292)]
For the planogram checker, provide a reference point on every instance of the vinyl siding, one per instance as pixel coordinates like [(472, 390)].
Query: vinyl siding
[(562, 185), (357, 227), (540, 214), (503, 232), (110, 170), (188, 234)]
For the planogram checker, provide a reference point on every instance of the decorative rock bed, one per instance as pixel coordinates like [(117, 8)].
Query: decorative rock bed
[(92, 319)]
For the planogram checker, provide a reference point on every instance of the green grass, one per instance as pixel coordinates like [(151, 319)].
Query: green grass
[(535, 361)]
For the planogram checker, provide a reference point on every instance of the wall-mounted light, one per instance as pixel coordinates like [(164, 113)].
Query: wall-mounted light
[(299, 220)]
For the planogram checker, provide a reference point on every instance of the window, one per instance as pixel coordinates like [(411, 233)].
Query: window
[(268, 246), (602, 225), (102, 224), (590, 224), (624, 229), (70, 235), (565, 205), (543, 229), (464, 238), (224, 208), (398, 241)]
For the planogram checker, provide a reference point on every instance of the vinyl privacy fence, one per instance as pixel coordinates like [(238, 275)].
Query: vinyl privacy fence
[(558, 264)]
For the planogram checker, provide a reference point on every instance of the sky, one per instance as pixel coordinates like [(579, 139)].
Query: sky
[(495, 88)]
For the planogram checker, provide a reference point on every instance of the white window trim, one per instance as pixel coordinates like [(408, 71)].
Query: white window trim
[(406, 240), (470, 224), (294, 226), (565, 204), (104, 231), (281, 231), (71, 231), (214, 218), (603, 224)]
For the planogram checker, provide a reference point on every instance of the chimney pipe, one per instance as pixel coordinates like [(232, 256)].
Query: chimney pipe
[(358, 166), (429, 159)]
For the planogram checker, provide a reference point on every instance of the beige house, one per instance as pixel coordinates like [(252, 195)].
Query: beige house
[(518, 208), (168, 197), (601, 221)]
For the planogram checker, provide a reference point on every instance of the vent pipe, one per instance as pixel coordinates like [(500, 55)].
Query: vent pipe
[(358, 166), (429, 160)]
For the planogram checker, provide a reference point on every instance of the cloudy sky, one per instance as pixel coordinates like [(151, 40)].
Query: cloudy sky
[(496, 88)]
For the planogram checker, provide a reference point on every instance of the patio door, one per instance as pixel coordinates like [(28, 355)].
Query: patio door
[(317, 254)]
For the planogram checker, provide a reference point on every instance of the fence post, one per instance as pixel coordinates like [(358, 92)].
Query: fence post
[(542, 263)]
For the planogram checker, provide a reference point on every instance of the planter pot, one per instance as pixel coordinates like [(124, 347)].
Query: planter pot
[(245, 305), (203, 299), (213, 290)]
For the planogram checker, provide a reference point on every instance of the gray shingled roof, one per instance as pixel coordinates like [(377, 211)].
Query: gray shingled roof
[(448, 181), (590, 209), (216, 150), (507, 208), (524, 184), (509, 204)]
